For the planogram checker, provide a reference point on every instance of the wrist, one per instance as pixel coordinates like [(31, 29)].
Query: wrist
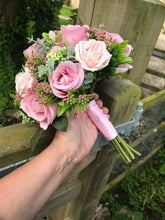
[(65, 150)]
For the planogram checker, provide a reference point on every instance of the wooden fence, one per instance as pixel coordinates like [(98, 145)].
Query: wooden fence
[(79, 194)]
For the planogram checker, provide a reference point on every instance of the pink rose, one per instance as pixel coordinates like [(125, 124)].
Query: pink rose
[(32, 50), (114, 37), (74, 33), (128, 50), (92, 55), (24, 81), (123, 68), (67, 76), (44, 115)]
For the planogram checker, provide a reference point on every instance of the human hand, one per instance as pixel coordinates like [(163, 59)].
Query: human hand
[(80, 136)]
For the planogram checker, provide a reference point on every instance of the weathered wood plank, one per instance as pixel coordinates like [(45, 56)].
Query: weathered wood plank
[(145, 19), (85, 12), (117, 95), (153, 99), (160, 44), (155, 81), (15, 142), (149, 87), (62, 196), (94, 178), (155, 73), (157, 64)]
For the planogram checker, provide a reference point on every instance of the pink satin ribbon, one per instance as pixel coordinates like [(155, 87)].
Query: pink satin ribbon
[(101, 121)]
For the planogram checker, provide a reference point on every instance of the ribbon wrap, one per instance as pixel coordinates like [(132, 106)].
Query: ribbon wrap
[(101, 121)]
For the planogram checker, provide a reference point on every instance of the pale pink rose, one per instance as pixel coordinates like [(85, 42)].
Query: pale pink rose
[(101, 121), (92, 55), (114, 37), (74, 33), (44, 115), (123, 68), (24, 81), (67, 76), (32, 50)]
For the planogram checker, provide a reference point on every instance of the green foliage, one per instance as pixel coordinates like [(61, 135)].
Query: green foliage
[(118, 211), (140, 193), (109, 201), (145, 188), (33, 18), (70, 13), (60, 123)]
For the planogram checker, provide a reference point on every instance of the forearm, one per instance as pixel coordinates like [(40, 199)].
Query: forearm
[(26, 190)]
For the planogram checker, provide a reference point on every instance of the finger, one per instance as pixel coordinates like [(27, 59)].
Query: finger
[(72, 114), (105, 110), (99, 103), (96, 96)]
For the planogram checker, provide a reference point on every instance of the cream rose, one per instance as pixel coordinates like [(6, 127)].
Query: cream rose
[(92, 55), (24, 81)]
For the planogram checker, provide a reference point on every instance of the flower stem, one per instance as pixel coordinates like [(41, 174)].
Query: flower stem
[(125, 145), (122, 151), (93, 85), (115, 147)]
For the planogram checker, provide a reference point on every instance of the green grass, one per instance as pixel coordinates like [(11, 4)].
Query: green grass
[(141, 194), (66, 11), (70, 13), (65, 22)]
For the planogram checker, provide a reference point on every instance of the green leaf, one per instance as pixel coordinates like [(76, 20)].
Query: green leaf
[(60, 123), (162, 169), (68, 111), (128, 60), (45, 35), (27, 57), (42, 69), (50, 63), (35, 138), (62, 109), (123, 46)]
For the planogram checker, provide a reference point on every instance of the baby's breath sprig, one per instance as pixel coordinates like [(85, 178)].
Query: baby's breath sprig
[(43, 92)]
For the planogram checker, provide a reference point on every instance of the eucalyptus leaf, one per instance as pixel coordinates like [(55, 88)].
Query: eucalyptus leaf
[(60, 123), (42, 69), (35, 138), (50, 64)]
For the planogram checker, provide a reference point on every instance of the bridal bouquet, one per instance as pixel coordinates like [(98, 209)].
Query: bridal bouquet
[(60, 74)]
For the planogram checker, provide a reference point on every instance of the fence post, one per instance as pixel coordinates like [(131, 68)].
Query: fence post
[(95, 176), (138, 21)]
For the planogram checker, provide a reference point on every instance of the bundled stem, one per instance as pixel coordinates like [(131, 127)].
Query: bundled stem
[(123, 149)]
